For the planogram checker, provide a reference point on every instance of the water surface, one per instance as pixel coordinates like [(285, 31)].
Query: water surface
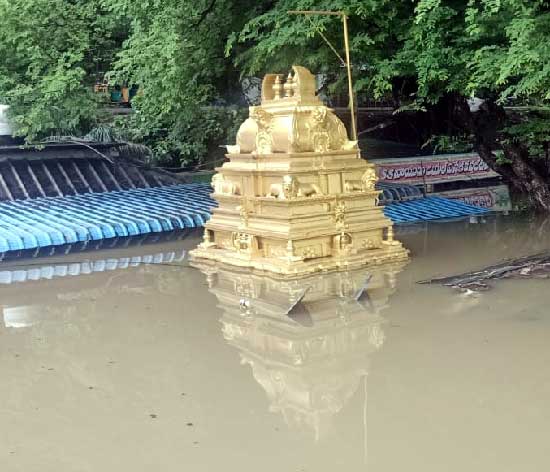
[(130, 360)]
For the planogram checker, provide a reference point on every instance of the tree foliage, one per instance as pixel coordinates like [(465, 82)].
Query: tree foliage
[(175, 53), (49, 51), (188, 56), (434, 54), (440, 46), (172, 49)]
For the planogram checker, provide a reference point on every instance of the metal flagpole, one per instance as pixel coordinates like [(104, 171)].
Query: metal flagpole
[(344, 17), (350, 84)]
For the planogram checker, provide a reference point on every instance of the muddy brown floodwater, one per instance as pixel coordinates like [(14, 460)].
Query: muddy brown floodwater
[(130, 360)]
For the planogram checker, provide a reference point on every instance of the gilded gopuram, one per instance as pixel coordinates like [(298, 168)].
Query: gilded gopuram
[(296, 197)]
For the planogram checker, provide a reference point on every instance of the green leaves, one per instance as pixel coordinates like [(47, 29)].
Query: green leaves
[(187, 55), (474, 47), (176, 52), (48, 51)]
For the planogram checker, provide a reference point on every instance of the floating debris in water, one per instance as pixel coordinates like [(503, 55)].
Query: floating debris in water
[(528, 267)]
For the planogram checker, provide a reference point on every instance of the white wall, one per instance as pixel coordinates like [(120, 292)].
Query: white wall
[(5, 129)]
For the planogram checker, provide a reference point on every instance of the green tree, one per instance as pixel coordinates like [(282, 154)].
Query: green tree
[(175, 53), (434, 54), (50, 50), (187, 56)]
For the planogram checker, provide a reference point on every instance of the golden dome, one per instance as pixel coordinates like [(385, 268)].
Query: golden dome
[(291, 119)]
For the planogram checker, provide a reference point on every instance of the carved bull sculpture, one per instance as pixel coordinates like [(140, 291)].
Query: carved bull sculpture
[(291, 188), (353, 186), (367, 182), (225, 187), (308, 190)]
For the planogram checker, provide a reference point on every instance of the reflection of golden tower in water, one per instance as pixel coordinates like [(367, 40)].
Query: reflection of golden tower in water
[(296, 197), (307, 341)]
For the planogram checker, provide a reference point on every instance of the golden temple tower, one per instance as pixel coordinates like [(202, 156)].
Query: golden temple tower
[(296, 197)]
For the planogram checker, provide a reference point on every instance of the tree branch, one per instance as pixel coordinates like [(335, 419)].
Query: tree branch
[(205, 13), (382, 125)]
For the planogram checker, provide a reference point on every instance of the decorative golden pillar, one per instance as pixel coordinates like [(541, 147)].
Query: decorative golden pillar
[(295, 197)]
